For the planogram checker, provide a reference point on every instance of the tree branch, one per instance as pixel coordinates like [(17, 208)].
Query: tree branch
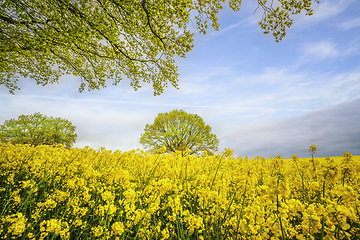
[(144, 5)]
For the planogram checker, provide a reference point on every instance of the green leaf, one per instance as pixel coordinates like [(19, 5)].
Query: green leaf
[(178, 131), (37, 129)]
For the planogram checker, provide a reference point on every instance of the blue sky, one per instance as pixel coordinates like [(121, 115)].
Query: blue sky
[(261, 98)]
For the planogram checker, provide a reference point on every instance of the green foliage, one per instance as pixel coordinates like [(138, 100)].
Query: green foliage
[(38, 129), (275, 20), (109, 39), (178, 131)]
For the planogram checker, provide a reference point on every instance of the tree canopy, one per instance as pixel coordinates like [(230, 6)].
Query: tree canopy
[(178, 131), (99, 40), (37, 129)]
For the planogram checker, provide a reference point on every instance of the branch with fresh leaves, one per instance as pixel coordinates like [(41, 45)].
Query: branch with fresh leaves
[(102, 40)]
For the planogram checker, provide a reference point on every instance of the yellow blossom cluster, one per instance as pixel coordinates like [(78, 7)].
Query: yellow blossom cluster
[(49, 192)]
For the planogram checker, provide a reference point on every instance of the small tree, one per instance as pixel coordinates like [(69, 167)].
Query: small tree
[(178, 131), (38, 129)]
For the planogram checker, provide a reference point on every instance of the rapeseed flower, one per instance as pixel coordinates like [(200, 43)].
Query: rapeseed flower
[(115, 195), (50, 226), (17, 224), (97, 231), (118, 228)]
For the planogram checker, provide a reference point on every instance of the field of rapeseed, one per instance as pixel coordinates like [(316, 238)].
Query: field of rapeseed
[(54, 193)]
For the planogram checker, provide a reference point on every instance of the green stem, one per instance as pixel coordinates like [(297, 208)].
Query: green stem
[(323, 219), (281, 226), (147, 211), (228, 209), (150, 177), (341, 228), (186, 185), (302, 182), (247, 224), (240, 217), (217, 169), (322, 228)]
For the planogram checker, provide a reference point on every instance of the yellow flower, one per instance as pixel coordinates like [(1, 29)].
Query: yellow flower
[(111, 209), (118, 228), (312, 149), (26, 184), (50, 204), (61, 196), (97, 231), (247, 196), (77, 222), (161, 150), (31, 235), (228, 152), (283, 212), (165, 234), (51, 226), (17, 199), (18, 223), (139, 214), (107, 196), (295, 158), (130, 195)]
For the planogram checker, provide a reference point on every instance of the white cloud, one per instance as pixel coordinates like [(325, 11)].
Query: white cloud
[(250, 21), (328, 51), (330, 8), (323, 11), (349, 24), (320, 50)]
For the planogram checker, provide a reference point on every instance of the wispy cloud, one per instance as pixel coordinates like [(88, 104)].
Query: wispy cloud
[(329, 8), (36, 98), (350, 24), (320, 50), (293, 88), (323, 11), (328, 50), (243, 24)]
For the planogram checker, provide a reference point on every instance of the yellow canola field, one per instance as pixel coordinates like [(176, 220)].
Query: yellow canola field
[(54, 193)]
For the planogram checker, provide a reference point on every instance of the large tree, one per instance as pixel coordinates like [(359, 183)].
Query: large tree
[(177, 131), (37, 129), (99, 40)]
